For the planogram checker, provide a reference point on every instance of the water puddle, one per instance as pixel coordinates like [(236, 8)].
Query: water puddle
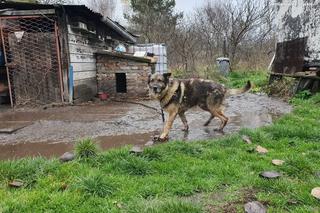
[(196, 132), (128, 122), (49, 150)]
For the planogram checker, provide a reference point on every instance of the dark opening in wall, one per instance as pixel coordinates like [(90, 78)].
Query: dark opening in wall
[(121, 83)]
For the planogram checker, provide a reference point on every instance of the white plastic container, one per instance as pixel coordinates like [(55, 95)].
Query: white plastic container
[(159, 50)]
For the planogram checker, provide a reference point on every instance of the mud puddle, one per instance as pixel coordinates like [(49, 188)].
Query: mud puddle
[(198, 132), (116, 124), (49, 150)]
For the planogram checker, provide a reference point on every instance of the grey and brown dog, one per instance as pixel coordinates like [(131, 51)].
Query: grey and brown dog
[(177, 96)]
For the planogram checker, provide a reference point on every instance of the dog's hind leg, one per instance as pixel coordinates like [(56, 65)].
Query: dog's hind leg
[(221, 116), (209, 120), (184, 121)]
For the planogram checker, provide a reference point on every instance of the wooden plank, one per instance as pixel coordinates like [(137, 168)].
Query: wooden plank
[(84, 75), (82, 58), (84, 81), (78, 39), (11, 127), (74, 48), (84, 67), (294, 75), (27, 12)]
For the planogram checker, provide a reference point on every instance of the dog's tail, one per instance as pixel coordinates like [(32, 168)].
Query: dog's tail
[(246, 88)]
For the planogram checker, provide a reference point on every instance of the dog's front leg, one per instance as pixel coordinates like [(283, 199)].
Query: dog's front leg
[(172, 115)]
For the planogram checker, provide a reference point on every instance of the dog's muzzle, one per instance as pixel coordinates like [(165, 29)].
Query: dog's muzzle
[(156, 89)]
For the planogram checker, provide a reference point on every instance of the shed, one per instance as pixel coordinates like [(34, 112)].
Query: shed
[(50, 51), (298, 43)]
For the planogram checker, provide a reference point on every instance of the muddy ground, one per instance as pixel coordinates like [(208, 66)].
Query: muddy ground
[(52, 131)]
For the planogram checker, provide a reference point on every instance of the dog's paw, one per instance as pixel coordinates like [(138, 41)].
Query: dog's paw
[(219, 130), (160, 139), (185, 129)]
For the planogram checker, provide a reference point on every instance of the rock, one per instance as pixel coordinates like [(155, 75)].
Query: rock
[(292, 202), (68, 156), (136, 150), (255, 207), (149, 143), (261, 150), (270, 174), (16, 184), (277, 162), (316, 192), (246, 139)]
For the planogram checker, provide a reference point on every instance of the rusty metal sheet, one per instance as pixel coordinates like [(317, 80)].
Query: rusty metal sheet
[(289, 56)]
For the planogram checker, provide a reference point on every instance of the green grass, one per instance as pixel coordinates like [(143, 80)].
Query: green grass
[(215, 175), (86, 149), (238, 79)]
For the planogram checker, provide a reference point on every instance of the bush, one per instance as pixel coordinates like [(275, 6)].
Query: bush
[(305, 94)]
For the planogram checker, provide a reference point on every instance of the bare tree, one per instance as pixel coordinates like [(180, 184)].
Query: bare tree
[(234, 22), (186, 45), (104, 7)]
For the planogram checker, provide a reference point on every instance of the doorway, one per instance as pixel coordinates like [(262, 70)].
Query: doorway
[(121, 83)]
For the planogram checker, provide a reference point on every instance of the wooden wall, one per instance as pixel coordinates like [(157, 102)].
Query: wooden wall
[(82, 49)]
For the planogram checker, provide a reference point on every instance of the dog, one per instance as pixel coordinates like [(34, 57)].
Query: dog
[(177, 96)]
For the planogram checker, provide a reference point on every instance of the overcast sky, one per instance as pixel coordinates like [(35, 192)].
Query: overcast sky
[(185, 6), (188, 5)]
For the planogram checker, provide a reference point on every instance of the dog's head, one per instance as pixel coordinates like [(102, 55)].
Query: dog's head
[(158, 84)]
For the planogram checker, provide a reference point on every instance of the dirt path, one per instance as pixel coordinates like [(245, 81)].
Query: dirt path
[(115, 120)]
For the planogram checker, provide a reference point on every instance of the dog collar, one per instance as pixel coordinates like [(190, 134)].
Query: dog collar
[(178, 94)]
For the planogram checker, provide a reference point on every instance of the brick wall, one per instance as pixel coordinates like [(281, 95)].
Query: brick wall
[(136, 70)]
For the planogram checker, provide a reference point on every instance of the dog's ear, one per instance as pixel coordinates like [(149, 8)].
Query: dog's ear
[(166, 76)]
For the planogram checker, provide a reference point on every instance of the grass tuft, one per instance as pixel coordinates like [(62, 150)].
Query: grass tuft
[(86, 149), (95, 185)]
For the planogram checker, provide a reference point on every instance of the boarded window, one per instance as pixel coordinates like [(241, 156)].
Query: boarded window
[(121, 83)]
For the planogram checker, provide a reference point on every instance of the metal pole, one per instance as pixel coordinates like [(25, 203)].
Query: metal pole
[(6, 61), (59, 60)]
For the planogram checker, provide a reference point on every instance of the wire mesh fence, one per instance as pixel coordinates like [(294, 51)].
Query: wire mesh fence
[(32, 59)]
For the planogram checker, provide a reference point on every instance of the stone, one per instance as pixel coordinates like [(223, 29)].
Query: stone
[(292, 202), (261, 150), (68, 156), (149, 143), (136, 150), (316, 192), (277, 162), (246, 139), (16, 184), (255, 207), (270, 174)]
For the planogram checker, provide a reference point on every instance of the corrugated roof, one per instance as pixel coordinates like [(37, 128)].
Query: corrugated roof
[(80, 9)]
